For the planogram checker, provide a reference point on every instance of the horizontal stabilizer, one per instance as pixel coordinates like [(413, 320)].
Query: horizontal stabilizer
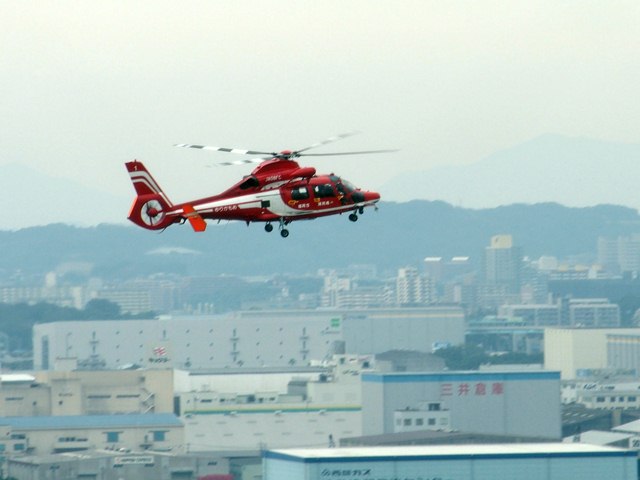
[(197, 222)]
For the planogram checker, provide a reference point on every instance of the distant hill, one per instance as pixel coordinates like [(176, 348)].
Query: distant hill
[(398, 234), (551, 168), (575, 172), (31, 198)]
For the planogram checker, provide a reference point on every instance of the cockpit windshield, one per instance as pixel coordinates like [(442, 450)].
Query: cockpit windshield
[(343, 186), (350, 187)]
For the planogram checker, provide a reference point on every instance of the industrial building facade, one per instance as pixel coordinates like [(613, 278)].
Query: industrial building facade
[(250, 339), (512, 403), (547, 461)]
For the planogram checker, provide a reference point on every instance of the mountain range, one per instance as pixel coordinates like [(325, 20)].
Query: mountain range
[(551, 168), (399, 234), (575, 172)]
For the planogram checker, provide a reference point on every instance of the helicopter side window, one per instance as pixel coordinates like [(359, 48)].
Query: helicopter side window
[(300, 193), (324, 190)]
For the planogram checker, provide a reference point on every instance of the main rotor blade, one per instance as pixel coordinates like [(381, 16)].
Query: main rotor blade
[(345, 153), (335, 138), (241, 162), (223, 149)]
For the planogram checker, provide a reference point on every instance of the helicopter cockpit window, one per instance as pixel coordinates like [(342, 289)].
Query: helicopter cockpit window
[(300, 193), (348, 186), (324, 190)]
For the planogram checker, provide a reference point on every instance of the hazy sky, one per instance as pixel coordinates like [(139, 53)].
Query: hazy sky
[(88, 85)]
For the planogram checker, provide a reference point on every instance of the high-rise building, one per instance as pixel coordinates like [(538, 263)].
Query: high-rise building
[(503, 264), (621, 254), (412, 288)]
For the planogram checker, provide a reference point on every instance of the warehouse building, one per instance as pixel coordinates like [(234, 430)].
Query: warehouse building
[(116, 465), (72, 433), (248, 339), (545, 461), (523, 403)]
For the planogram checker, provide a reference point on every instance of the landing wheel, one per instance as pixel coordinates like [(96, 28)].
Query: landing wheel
[(268, 227), (353, 217), (284, 233), (361, 210)]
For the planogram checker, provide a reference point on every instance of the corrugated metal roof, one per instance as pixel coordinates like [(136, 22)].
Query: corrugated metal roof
[(631, 427), (518, 450), (91, 421), (597, 437)]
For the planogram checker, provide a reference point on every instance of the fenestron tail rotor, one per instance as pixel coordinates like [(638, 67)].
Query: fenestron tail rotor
[(151, 213), (282, 155)]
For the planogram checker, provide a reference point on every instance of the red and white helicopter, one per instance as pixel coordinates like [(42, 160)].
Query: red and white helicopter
[(277, 191)]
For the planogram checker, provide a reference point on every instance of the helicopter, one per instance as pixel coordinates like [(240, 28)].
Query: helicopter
[(278, 191)]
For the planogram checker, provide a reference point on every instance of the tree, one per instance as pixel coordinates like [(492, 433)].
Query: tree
[(101, 309)]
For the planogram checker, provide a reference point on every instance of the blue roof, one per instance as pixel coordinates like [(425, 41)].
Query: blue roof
[(91, 421)]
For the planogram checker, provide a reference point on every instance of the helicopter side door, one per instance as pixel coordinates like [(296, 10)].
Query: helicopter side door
[(324, 195)]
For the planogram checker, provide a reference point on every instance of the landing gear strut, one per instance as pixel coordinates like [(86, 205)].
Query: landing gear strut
[(284, 233)]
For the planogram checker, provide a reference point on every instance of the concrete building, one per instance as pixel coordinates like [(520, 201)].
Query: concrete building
[(575, 312), (545, 461), (621, 254), (533, 314), (249, 338), (111, 465), (512, 403), (623, 351), (247, 409), (571, 350), (86, 393), (412, 288), (607, 395), (46, 435), (593, 313), (503, 264)]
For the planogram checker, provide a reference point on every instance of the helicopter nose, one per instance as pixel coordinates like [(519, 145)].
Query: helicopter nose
[(365, 197), (372, 196), (357, 197)]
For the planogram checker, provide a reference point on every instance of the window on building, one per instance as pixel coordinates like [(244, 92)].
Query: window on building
[(431, 421), (599, 399), (407, 422), (2, 447), (159, 435), (433, 407), (18, 447), (631, 399), (113, 437), (419, 421)]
